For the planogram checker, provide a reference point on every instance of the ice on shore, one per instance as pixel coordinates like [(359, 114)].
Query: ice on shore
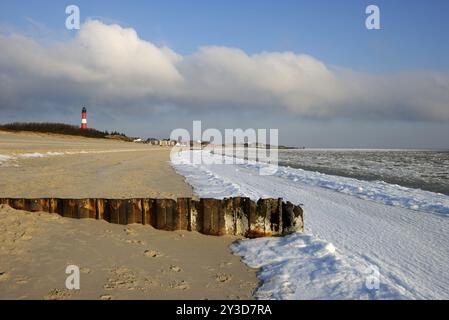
[(352, 227), (299, 266), (379, 191)]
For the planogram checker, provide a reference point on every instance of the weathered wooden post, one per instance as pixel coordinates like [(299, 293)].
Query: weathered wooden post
[(196, 216), (161, 214), (241, 215), (123, 216), (102, 213), (292, 218), (206, 210), (268, 218), (18, 204), (36, 205), (256, 221), (236, 216), (276, 218), (229, 216), (149, 212), (69, 208), (165, 211), (213, 217), (55, 206), (116, 210), (133, 211), (87, 208), (182, 216)]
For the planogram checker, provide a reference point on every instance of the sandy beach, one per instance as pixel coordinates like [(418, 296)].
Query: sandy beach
[(116, 262), (87, 168)]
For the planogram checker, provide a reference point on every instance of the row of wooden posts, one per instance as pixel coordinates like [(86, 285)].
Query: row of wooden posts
[(232, 216)]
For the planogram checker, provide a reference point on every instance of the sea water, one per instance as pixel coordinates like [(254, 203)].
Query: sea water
[(419, 169)]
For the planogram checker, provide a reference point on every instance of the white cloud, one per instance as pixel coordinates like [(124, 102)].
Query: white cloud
[(106, 63)]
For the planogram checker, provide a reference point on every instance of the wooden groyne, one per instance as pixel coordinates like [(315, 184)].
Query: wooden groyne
[(231, 216)]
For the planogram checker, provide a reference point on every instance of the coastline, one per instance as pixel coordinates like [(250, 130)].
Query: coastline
[(353, 229)]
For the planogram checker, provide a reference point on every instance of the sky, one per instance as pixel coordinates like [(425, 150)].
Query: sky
[(308, 68)]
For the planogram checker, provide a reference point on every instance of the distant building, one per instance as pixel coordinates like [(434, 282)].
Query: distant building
[(162, 143)]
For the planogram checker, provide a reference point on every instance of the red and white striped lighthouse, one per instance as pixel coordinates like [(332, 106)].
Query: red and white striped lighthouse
[(84, 118)]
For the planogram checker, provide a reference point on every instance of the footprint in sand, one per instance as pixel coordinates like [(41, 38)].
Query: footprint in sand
[(122, 278), (129, 232), (152, 253), (57, 294), (106, 297), (135, 242), (178, 237), (149, 283), (175, 268), (222, 277), (179, 285), (225, 264), (4, 276), (85, 270), (21, 280), (26, 237)]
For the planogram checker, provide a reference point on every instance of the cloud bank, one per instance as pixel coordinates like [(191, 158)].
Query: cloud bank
[(110, 66)]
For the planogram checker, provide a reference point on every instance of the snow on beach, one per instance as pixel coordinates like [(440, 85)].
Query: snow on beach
[(352, 228), (10, 160), (7, 160)]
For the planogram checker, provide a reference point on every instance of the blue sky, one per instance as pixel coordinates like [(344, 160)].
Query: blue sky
[(414, 33), (411, 49)]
